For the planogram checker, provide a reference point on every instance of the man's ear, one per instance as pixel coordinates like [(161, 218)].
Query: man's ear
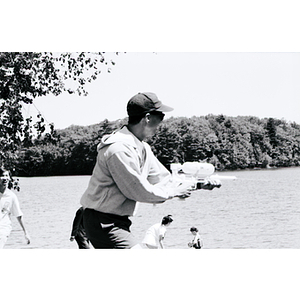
[(147, 117)]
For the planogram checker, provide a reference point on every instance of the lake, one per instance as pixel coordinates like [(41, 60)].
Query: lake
[(259, 210)]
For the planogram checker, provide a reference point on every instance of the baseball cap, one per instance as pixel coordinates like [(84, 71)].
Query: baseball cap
[(145, 102)]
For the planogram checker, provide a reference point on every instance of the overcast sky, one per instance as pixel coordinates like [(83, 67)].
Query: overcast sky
[(262, 84)]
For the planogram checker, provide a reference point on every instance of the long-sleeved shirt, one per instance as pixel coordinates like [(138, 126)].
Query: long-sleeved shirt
[(126, 171)]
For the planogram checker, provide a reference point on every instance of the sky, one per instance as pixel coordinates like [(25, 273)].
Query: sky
[(261, 84)]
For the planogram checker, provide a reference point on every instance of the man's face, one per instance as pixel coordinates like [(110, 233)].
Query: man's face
[(4, 179), (153, 122)]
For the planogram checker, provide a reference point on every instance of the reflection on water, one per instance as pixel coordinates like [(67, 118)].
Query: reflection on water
[(261, 209)]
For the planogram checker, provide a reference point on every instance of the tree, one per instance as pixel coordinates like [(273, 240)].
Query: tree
[(272, 132), (27, 75)]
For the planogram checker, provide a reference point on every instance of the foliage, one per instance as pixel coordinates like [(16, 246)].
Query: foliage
[(230, 143), (27, 75), (73, 152), (227, 142)]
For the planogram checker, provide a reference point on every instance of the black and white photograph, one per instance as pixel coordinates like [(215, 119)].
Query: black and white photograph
[(209, 138), (119, 161)]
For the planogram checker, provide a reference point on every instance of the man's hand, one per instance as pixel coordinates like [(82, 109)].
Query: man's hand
[(183, 190), (209, 184)]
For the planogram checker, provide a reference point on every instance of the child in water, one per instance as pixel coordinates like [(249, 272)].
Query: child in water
[(196, 242)]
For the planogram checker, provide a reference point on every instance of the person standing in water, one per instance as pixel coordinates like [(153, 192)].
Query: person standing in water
[(156, 233)]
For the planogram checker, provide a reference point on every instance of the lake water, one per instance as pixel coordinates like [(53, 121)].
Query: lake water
[(259, 210)]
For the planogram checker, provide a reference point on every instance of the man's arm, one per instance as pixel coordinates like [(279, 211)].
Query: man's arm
[(133, 185)]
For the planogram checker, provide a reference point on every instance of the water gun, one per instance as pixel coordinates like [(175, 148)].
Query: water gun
[(197, 173)]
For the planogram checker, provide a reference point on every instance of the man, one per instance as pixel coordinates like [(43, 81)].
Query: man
[(127, 172), (78, 232), (9, 205)]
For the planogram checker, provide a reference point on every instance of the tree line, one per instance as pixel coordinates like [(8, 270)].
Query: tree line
[(229, 143)]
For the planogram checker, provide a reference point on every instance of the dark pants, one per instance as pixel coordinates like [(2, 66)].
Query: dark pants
[(108, 231)]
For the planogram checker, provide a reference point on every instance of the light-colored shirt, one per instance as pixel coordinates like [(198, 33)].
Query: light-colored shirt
[(196, 239), (153, 233), (9, 205)]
